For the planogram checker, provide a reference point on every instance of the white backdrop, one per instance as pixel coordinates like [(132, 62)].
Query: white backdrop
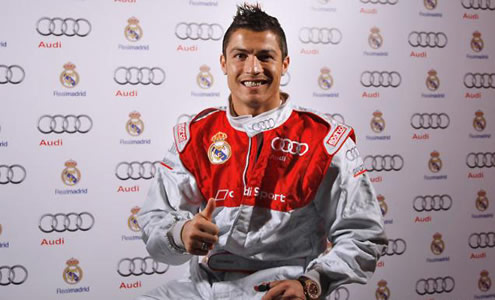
[(50, 248)]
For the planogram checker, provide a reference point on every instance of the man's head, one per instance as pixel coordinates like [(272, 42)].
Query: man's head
[(254, 58)]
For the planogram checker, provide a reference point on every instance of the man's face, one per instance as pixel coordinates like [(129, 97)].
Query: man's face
[(253, 64)]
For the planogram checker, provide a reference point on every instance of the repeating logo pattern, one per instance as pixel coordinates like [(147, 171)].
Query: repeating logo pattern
[(138, 266), (484, 283), (132, 222), (15, 275), (391, 2), (438, 285), (61, 222), (479, 122), (395, 247), (69, 78), (479, 80), (478, 4), (435, 163), (205, 79), (375, 39), (377, 122), (477, 43), (71, 175), (482, 201), (432, 203), (320, 35), (68, 26), (64, 124), (432, 81), (199, 31), (134, 126), (72, 274), (430, 4), (382, 292), (380, 163), (133, 32), (325, 80), (382, 203), (427, 39), (430, 121), (381, 79), (437, 246), (136, 170), (139, 75), (482, 240), (14, 174), (13, 74), (480, 160)]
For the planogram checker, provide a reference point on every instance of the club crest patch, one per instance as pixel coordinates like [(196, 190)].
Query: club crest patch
[(219, 151)]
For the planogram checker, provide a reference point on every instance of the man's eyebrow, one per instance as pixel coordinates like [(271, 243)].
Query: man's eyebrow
[(263, 51)]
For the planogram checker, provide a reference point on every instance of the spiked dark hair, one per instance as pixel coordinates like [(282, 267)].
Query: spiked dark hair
[(251, 17)]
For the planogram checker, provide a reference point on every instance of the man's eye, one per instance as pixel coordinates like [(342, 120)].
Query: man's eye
[(240, 56), (264, 57)]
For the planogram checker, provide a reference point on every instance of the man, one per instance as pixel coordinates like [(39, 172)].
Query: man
[(276, 183)]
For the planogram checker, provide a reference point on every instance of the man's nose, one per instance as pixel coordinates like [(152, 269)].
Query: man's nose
[(253, 65)]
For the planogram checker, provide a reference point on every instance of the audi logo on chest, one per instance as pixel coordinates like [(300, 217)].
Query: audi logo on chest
[(14, 174), (58, 26), (387, 162), (479, 80), (289, 146), (395, 247), (380, 79), (432, 203), (15, 275), (199, 31), (480, 160), (139, 75), (317, 35), (482, 240), (478, 4), (430, 121), (61, 222), (13, 74), (136, 170), (64, 124), (138, 266), (436, 285), (427, 39)]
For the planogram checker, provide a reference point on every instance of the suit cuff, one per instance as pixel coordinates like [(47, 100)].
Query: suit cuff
[(175, 235)]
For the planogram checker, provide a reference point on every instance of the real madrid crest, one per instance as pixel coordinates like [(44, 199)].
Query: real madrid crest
[(69, 77), (382, 292), (432, 81), (325, 80), (482, 201), (219, 151), (383, 205), (435, 163), (437, 245), (132, 220), (484, 283), (375, 39), (133, 32), (377, 122), (72, 273), (430, 4), (477, 43), (479, 122), (71, 175), (135, 125), (205, 78)]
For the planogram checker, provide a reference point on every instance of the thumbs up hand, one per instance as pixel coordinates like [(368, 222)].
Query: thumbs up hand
[(200, 233)]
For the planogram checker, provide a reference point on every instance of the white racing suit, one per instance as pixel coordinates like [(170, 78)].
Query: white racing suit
[(287, 184)]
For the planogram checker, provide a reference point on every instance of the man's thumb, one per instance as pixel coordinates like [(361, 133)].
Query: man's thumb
[(209, 209)]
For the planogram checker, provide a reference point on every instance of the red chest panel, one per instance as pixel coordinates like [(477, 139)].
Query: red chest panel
[(280, 169)]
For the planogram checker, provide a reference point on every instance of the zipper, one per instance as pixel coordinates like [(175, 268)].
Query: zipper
[(244, 174)]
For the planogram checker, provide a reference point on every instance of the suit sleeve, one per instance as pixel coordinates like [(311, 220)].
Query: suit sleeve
[(354, 222), (173, 198)]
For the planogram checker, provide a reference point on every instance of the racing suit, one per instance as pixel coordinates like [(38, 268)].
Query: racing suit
[(287, 183)]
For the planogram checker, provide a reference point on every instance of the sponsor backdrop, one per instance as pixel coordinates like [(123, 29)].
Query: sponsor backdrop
[(90, 90)]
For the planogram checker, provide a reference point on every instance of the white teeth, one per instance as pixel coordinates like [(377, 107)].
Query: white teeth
[(252, 83)]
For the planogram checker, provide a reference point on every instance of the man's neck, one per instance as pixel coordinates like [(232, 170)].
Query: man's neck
[(242, 110)]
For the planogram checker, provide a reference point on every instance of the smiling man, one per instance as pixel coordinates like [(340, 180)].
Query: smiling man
[(262, 188)]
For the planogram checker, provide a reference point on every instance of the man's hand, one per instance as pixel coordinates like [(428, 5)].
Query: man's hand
[(199, 234), (285, 290)]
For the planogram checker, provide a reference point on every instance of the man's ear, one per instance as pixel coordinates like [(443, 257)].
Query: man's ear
[(285, 64), (222, 64)]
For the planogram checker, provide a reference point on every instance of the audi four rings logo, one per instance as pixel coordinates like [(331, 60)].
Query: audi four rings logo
[(480, 160), (395, 247), (142, 75), (11, 74), (380, 79), (199, 31), (386, 162), (428, 39), (13, 275), (478, 4), (263, 125), (341, 293), (432, 203), (136, 170), (58, 26), (352, 154), (14, 174), (392, 2), (430, 121), (138, 266), (482, 240), (288, 146), (68, 124), (315, 35), (479, 80), (436, 285), (66, 222)]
